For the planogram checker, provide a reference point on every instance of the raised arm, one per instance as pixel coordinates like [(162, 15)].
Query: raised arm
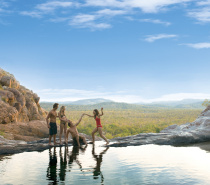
[(79, 120), (102, 113)]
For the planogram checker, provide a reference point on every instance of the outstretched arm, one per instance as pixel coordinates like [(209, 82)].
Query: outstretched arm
[(79, 120), (89, 115), (102, 113)]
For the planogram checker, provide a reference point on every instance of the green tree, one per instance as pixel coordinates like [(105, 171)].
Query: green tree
[(206, 103)]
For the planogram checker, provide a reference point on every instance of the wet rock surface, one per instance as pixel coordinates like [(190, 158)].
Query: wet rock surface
[(18, 146)]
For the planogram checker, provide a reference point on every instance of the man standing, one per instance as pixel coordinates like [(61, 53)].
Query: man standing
[(52, 115)]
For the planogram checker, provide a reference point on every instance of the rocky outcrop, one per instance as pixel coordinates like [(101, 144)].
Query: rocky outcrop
[(8, 113), (26, 131), (176, 135), (18, 146), (18, 103)]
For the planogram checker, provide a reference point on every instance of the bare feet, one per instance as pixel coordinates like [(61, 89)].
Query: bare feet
[(107, 142)]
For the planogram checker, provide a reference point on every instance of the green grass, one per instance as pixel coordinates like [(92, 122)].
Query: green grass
[(121, 123)]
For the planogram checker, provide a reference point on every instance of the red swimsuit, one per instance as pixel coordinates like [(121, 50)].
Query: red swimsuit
[(98, 122)]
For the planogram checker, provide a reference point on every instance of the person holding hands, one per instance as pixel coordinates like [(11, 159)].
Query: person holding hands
[(96, 115)]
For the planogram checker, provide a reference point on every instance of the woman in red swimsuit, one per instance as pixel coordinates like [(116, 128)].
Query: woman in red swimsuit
[(98, 128)]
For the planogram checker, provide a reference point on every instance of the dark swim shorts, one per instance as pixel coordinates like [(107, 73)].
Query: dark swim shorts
[(80, 141), (53, 129)]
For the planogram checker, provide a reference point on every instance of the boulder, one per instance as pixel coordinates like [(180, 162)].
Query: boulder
[(19, 98), (6, 81), (7, 114), (23, 115), (7, 96), (9, 81)]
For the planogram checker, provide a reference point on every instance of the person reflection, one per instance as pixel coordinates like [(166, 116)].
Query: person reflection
[(74, 156), (97, 170), (52, 168), (63, 163)]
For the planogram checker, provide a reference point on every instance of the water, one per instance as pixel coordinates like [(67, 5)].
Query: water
[(147, 164)]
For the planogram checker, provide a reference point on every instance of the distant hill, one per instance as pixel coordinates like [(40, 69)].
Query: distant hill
[(125, 106), (89, 101), (186, 104), (105, 105)]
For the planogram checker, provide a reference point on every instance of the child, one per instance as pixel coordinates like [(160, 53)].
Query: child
[(98, 128)]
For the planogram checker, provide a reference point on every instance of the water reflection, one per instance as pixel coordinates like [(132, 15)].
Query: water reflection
[(52, 168), (147, 164), (69, 157), (98, 158), (73, 156), (63, 163)]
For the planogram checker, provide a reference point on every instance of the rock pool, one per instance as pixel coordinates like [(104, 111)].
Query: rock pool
[(145, 164)]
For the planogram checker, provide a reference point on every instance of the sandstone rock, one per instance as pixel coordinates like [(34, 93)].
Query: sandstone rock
[(7, 114), (9, 81), (23, 115), (206, 111), (6, 81), (19, 98), (7, 96), (18, 107)]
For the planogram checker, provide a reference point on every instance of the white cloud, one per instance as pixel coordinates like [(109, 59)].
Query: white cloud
[(87, 21), (152, 38), (93, 21), (202, 15), (203, 3), (62, 95), (46, 8), (147, 6), (83, 18), (156, 21), (51, 6), (182, 96), (109, 12), (202, 45), (110, 8), (34, 14), (4, 7)]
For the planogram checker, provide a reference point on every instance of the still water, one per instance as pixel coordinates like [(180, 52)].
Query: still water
[(147, 164)]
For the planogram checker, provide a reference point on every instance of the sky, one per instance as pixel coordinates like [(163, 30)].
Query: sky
[(123, 50)]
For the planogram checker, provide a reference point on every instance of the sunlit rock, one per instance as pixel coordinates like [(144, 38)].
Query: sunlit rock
[(23, 102)]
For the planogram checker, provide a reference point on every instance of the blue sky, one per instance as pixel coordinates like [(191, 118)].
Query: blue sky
[(123, 50)]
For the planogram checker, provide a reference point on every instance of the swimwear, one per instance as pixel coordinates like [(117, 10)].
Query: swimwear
[(75, 141), (63, 122), (53, 129), (98, 122)]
